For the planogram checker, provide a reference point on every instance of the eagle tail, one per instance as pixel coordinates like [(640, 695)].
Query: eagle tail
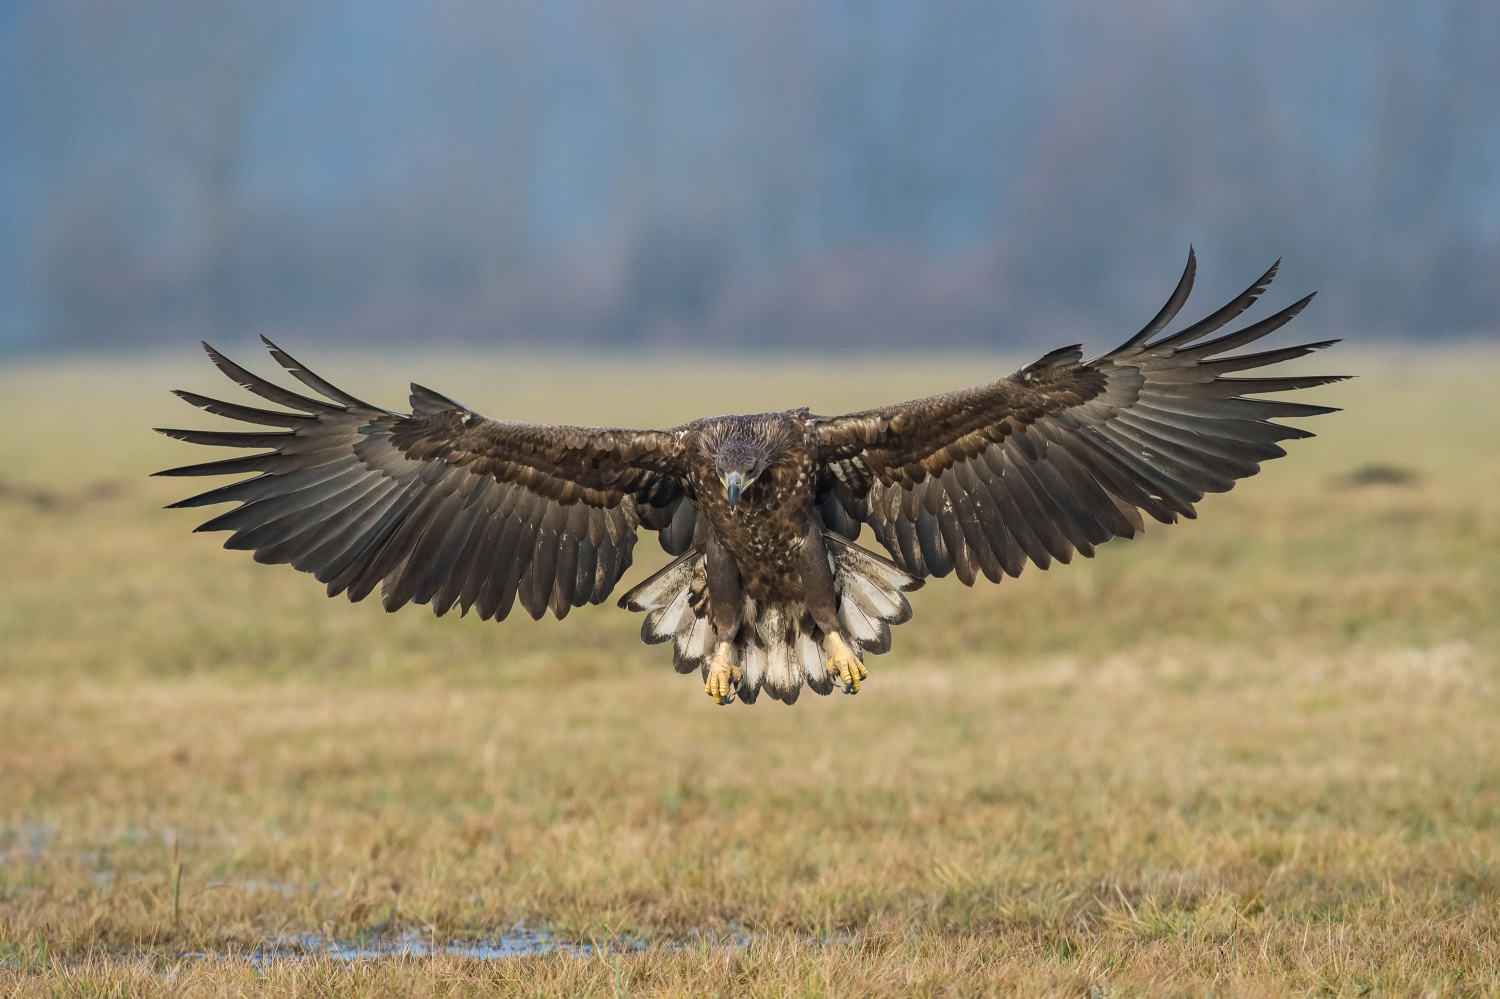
[(778, 648)]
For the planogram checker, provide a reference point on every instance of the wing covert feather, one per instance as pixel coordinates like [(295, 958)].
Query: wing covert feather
[(439, 506), (1064, 454)]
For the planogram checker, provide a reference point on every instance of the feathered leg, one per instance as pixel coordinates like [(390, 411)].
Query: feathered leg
[(822, 602), (726, 597)]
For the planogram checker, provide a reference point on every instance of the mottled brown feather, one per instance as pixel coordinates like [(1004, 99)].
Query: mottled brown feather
[(440, 505), (1064, 454)]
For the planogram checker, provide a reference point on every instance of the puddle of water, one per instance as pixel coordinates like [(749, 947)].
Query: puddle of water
[(251, 886), (519, 942)]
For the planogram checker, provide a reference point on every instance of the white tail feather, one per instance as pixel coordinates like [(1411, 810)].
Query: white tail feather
[(872, 600), (781, 649), (692, 645), (857, 626), (753, 666), (814, 659), (667, 621), (662, 588)]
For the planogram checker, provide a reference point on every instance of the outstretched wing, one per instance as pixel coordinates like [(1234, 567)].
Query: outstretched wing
[(441, 505), (1062, 455)]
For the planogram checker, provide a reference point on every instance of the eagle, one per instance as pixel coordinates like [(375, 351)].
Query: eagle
[(768, 589)]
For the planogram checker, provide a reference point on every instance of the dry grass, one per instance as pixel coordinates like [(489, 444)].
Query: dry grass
[(1255, 754)]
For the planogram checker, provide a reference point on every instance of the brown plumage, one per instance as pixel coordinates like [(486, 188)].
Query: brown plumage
[(447, 507)]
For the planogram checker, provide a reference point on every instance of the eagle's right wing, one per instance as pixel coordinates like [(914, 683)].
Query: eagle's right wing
[(440, 505), (1064, 454)]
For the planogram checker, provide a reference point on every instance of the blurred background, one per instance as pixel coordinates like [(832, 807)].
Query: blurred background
[(676, 173), (1281, 717)]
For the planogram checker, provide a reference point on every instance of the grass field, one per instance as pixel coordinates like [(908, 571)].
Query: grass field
[(1254, 754)]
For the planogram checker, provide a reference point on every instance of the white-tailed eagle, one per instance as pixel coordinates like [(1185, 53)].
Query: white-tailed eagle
[(768, 590)]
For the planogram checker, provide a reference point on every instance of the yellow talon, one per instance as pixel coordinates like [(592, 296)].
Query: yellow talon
[(843, 662), (723, 676)]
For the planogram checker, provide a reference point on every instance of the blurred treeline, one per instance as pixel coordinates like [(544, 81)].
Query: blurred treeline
[(754, 173)]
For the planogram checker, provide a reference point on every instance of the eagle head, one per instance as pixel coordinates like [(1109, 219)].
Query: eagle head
[(740, 461), (743, 447)]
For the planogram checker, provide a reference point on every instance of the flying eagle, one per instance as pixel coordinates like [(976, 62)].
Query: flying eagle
[(768, 589)]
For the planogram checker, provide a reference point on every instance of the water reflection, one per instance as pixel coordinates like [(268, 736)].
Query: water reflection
[(519, 941)]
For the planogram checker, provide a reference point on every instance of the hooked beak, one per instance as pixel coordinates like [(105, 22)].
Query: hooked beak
[(733, 484)]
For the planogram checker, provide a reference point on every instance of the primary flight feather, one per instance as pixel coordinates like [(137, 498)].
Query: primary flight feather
[(768, 590)]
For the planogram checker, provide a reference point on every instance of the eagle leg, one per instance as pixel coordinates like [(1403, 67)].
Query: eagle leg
[(843, 663), (723, 676)]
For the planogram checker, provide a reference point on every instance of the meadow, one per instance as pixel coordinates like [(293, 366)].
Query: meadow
[(1252, 754)]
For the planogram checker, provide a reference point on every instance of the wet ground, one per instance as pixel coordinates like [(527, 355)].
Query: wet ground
[(519, 941)]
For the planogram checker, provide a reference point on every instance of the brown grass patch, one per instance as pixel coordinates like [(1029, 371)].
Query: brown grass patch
[(1254, 754)]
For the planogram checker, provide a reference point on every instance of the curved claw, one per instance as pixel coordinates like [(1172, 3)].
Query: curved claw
[(843, 663), (723, 678)]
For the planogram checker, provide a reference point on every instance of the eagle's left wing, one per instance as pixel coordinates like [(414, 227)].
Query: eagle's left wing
[(1063, 455), (441, 504)]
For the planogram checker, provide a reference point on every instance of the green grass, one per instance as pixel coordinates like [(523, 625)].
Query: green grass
[(1251, 754)]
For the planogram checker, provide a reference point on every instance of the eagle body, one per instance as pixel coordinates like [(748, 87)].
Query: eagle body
[(768, 589), (764, 533)]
